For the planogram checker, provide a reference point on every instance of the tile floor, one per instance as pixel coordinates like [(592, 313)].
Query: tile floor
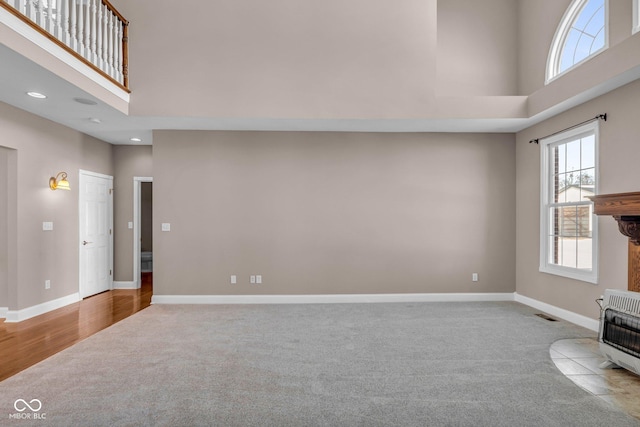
[(579, 360)]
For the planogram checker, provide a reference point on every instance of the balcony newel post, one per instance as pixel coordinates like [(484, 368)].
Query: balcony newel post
[(125, 54)]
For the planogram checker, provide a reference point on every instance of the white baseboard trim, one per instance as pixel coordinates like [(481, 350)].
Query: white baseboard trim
[(569, 316), (3, 312), (125, 285), (326, 299), (36, 310)]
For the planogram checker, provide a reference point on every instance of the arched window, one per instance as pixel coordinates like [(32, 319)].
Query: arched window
[(582, 33)]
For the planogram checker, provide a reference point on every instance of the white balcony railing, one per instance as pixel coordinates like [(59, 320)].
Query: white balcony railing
[(91, 29)]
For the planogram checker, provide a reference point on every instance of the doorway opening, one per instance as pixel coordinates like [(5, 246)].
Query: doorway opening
[(142, 231), (8, 230)]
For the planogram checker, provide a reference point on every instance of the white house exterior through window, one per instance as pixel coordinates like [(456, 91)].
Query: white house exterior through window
[(568, 229)]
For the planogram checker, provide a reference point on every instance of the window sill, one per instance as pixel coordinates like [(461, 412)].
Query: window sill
[(571, 273)]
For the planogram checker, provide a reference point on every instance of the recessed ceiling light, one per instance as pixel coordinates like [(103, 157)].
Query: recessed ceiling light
[(36, 95), (85, 101), (136, 140), (95, 120)]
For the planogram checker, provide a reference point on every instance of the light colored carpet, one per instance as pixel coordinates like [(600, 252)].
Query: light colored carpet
[(422, 364)]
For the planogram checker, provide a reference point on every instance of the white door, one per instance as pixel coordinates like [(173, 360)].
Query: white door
[(96, 240)]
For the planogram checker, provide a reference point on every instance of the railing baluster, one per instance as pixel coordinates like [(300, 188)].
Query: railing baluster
[(80, 27), (119, 42), (73, 36), (99, 60), (40, 13), (58, 21), (105, 38), (116, 51), (30, 10), (87, 28), (110, 56), (50, 22), (94, 35)]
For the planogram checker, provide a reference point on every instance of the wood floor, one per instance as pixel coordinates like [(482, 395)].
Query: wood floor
[(26, 343)]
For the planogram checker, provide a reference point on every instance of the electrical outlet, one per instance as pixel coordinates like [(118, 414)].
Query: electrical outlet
[(47, 284), (474, 277), (253, 279), (234, 279), (258, 279)]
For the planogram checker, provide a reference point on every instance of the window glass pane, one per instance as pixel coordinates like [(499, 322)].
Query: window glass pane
[(554, 229), (596, 23), (568, 50), (561, 188), (584, 222), (573, 156), (588, 184), (568, 252), (583, 48), (562, 158), (584, 253), (568, 222), (588, 152), (586, 15), (598, 42)]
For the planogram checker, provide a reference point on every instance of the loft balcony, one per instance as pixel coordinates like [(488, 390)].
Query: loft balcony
[(81, 42)]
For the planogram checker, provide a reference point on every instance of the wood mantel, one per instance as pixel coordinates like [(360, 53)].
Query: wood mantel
[(625, 208)]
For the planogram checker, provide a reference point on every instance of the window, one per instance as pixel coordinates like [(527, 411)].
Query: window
[(568, 228), (582, 33)]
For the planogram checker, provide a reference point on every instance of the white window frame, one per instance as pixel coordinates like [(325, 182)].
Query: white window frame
[(546, 190), (560, 37), (636, 16)]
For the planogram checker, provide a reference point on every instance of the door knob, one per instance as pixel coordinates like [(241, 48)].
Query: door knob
[(84, 242)]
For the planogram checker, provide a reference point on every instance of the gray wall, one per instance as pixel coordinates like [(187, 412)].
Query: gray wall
[(129, 161), (619, 172), (42, 149), (333, 213), (477, 50)]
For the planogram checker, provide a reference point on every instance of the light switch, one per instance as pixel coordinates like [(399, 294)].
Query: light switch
[(166, 226), (47, 226), (130, 225)]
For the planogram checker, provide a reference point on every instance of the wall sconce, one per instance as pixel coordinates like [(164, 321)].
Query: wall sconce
[(61, 184)]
